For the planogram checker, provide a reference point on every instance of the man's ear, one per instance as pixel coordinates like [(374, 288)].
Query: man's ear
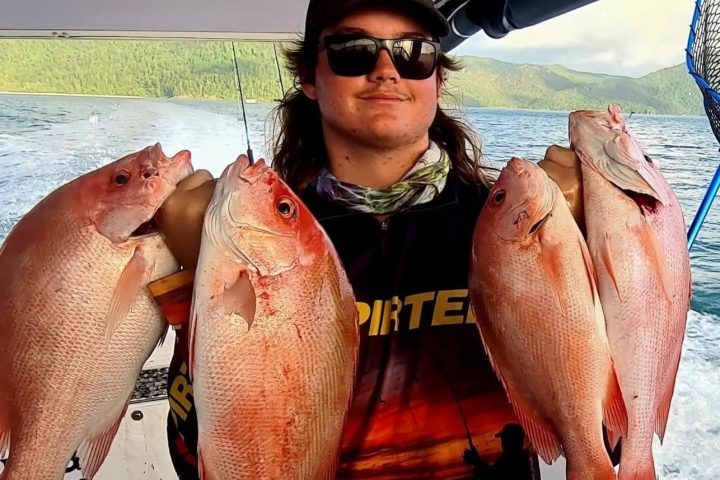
[(309, 90)]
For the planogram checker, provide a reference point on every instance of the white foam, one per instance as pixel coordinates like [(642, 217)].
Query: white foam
[(692, 440)]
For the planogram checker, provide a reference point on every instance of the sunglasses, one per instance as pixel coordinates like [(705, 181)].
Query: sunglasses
[(351, 55)]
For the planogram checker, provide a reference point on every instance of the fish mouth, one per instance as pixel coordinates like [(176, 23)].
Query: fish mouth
[(537, 225), (146, 229)]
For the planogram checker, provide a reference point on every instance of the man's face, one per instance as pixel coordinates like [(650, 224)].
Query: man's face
[(379, 109)]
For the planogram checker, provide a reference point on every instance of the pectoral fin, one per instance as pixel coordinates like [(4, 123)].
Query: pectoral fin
[(131, 282), (657, 259), (239, 298), (607, 261)]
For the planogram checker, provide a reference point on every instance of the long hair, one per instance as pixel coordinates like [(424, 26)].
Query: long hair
[(299, 147)]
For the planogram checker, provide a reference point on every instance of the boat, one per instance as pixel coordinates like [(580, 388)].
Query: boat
[(139, 451)]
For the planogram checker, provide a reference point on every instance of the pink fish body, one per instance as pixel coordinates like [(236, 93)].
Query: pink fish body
[(637, 239), (274, 334), (534, 294), (76, 323)]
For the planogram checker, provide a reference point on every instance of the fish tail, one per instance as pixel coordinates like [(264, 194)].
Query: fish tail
[(637, 469), (602, 470)]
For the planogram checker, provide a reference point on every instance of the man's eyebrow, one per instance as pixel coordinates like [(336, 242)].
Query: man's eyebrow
[(349, 30), (412, 35), (362, 31)]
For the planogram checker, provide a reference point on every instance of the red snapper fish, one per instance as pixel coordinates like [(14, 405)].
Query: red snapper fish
[(637, 240), (76, 322), (533, 290), (273, 336)]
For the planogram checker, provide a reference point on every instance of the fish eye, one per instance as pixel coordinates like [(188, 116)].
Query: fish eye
[(286, 208), (121, 178), (499, 197)]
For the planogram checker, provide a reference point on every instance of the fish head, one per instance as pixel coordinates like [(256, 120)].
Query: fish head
[(267, 226), (123, 196), (603, 142), (520, 202)]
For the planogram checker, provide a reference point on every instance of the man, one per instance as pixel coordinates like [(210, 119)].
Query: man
[(397, 184)]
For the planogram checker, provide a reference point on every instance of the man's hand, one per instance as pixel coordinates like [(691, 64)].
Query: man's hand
[(563, 167), (180, 218)]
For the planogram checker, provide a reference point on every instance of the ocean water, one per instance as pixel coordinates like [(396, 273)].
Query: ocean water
[(45, 141)]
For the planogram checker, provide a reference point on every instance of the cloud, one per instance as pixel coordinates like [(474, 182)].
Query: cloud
[(608, 36)]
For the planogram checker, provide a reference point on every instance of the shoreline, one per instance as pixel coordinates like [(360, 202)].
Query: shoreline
[(56, 94), (257, 101)]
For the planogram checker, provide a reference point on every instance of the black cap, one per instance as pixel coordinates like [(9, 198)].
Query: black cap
[(321, 13), (511, 430)]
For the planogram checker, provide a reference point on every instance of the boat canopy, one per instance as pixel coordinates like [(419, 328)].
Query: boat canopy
[(266, 20)]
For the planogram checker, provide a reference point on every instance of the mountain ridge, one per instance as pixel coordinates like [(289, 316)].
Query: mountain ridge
[(205, 70)]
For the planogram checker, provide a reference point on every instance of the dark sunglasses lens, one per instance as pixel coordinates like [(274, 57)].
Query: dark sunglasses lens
[(414, 59), (352, 58)]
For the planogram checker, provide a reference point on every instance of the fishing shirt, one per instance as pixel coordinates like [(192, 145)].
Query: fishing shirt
[(426, 402)]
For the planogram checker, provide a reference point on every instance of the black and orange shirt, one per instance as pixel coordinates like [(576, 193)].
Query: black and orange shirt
[(426, 402)]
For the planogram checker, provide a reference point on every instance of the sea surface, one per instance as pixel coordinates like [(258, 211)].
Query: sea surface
[(46, 141)]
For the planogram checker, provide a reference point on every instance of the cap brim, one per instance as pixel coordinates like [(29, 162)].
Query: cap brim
[(429, 16)]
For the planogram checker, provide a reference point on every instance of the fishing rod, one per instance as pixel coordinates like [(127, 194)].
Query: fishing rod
[(242, 104), (702, 63)]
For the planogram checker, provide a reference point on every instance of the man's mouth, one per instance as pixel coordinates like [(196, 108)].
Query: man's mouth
[(384, 96)]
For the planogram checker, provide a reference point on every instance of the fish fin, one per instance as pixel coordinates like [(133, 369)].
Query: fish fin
[(652, 246), (590, 269), (192, 326), (201, 466), (239, 297), (663, 411), (614, 411), (126, 291), (606, 256), (542, 438), (93, 450), (4, 435), (613, 439), (163, 336)]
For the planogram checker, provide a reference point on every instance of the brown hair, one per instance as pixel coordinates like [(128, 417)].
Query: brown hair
[(299, 147)]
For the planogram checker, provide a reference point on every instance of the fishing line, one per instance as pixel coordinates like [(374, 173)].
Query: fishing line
[(279, 74), (242, 104)]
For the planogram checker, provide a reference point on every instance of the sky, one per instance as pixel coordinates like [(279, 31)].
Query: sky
[(619, 37)]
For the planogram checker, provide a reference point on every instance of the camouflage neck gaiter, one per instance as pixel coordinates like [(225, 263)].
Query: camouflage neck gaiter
[(425, 180)]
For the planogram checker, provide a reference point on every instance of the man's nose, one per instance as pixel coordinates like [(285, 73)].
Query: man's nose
[(384, 68)]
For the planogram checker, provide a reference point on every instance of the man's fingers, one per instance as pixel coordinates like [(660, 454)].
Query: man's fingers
[(194, 180), (561, 155)]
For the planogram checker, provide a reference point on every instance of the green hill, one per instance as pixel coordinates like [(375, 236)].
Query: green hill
[(205, 69)]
